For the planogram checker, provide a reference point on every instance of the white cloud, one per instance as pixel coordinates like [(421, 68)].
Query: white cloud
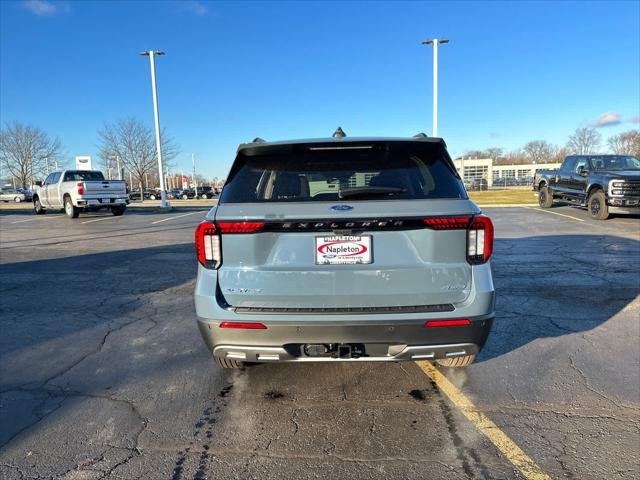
[(608, 119), (196, 7), (41, 8)]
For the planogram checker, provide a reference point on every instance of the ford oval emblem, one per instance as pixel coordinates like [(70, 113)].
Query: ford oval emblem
[(342, 208)]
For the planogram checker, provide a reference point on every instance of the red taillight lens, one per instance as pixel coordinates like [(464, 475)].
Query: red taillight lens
[(447, 223), (80, 188), (244, 325), (240, 227), (459, 322), (480, 240), (208, 245)]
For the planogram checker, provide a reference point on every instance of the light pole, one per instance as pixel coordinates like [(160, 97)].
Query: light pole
[(151, 54), (195, 184), (435, 43)]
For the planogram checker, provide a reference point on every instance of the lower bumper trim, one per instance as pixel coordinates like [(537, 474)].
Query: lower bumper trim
[(406, 353)]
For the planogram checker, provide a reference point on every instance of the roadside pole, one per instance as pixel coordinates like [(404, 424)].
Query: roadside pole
[(195, 183)]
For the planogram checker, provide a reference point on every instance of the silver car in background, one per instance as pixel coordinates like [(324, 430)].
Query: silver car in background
[(10, 194), (344, 249)]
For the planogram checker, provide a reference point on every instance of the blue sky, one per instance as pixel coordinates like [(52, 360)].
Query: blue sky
[(513, 72)]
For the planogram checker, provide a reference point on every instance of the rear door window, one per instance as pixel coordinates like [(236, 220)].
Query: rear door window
[(310, 172), (83, 176)]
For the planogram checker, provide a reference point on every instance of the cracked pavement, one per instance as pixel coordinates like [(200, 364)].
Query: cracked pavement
[(103, 373)]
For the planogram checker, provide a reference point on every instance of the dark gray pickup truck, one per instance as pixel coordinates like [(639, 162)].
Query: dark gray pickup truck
[(603, 183)]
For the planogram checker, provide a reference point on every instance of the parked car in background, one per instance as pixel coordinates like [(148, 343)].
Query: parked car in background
[(186, 194), (10, 194), (28, 194), (135, 194), (603, 183), (332, 250), (81, 190), (206, 192)]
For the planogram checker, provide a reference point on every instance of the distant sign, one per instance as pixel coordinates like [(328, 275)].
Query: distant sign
[(83, 163)]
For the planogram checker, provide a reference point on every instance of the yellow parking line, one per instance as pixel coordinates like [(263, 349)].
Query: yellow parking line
[(555, 213), (176, 216), (509, 449), (100, 219)]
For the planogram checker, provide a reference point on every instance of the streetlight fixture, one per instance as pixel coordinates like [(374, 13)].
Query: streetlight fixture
[(151, 54), (435, 43)]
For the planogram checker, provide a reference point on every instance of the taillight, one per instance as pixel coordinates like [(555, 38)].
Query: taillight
[(239, 227), (208, 245), (458, 322), (80, 188), (447, 223), (479, 240), (479, 234)]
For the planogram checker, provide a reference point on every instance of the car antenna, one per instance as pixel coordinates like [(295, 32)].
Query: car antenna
[(421, 135), (339, 133), (258, 140)]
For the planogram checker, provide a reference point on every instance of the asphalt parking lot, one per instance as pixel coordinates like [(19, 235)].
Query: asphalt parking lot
[(103, 373)]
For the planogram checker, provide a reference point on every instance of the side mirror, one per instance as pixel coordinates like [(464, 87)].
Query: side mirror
[(38, 183), (583, 172)]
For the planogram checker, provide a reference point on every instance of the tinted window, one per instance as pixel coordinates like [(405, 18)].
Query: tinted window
[(581, 163), (55, 177), (83, 176), (49, 179), (380, 171), (615, 162), (569, 164)]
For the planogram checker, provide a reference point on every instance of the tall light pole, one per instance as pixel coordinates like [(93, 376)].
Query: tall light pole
[(151, 54), (435, 43), (195, 184)]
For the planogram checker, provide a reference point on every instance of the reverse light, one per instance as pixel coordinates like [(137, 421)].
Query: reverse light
[(244, 325), (208, 245), (80, 186), (458, 322), (479, 240)]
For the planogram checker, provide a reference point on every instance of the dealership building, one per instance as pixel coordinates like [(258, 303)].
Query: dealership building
[(483, 168)]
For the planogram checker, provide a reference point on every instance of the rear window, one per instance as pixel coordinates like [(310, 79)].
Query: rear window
[(83, 176), (315, 172)]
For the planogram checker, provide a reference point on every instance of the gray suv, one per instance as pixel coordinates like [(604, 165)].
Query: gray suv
[(344, 249)]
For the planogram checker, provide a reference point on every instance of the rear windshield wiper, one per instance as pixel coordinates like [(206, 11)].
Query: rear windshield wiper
[(357, 191)]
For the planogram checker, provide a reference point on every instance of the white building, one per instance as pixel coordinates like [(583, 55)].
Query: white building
[(483, 168)]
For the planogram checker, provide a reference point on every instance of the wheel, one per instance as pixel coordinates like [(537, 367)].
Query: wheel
[(597, 205), (152, 197), (37, 206), (17, 199), (226, 363), (457, 361), (119, 210), (545, 197), (185, 197), (69, 209), (204, 196)]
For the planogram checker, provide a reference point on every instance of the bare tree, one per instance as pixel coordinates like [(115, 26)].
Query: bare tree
[(134, 143), (26, 150), (539, 151), (583, 141), (626, 143)]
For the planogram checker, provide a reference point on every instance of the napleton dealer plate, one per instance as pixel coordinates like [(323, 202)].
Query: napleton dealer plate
[(343, 250)]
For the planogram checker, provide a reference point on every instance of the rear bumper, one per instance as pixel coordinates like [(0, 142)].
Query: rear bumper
[(388, 341), (384, 336), (98, 202)]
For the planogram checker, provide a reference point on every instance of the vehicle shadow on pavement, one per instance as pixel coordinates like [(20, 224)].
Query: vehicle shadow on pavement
[(548, 286)]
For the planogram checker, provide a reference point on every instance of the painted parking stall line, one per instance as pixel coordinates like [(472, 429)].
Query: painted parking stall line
[(509, 449), (176, 216), (100, 219), (49, 217), (555, 213)]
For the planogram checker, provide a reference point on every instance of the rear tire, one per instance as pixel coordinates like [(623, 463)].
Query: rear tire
[(69, 209), (597, 205), (17, 199), (117, 211), (37, 206), (456, 361), (545, 197), (185, 197), (229, 364)]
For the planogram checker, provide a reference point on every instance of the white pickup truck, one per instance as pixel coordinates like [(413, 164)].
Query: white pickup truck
[(80, 190)]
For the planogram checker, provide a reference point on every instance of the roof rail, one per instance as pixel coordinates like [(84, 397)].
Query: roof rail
[(421, 135), (258, 140)]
